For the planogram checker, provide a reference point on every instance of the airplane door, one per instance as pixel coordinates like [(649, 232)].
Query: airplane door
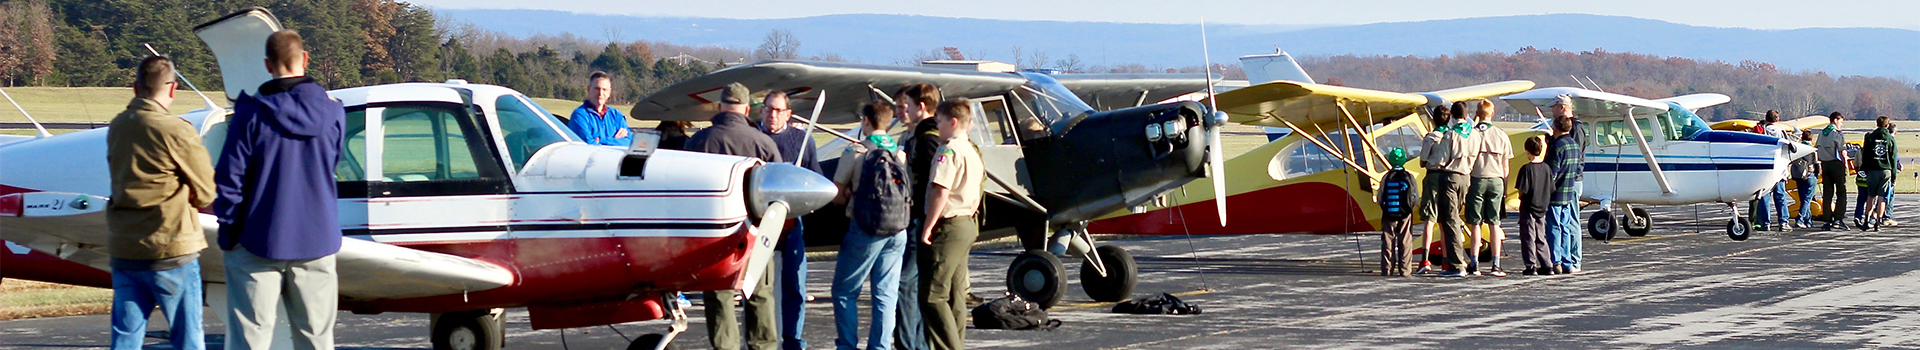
[(999, 147)]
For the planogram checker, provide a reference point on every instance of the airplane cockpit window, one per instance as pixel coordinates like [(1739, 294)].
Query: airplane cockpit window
[(428, 143), (1307, 158), (526, 129), (1049, 101), (1406, 137), (353, 149), (1681, 123), (1617, 132)]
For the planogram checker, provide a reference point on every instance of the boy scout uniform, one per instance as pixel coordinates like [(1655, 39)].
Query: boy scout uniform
[(943, 265)]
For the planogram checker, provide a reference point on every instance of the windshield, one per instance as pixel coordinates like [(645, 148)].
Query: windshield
[(1046, 99), (527, 127), (1682, 122)]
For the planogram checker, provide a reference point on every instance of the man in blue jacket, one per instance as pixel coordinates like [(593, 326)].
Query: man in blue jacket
[(275, 202), (593, 121)]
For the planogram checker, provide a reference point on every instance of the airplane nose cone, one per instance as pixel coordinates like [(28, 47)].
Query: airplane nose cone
[(803, 190)]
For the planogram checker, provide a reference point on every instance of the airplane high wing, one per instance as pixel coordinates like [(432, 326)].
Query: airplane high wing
[(1116, 91), (693, 100)]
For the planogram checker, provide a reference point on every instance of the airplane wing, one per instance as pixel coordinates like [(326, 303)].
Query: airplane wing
[(1308, 104), (1697, 101), (73, 226), (1734, 125), (6, 139), (1116, 91), (1586, 102), (1808, 122), (849, 84), (1483, 90)]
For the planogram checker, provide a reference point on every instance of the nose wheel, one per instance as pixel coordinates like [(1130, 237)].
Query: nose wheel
[(1602, 225), (469, 330), (1638, 222), (1738, 227)]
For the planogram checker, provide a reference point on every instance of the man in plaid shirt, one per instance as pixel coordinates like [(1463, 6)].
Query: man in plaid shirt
[(1563, 208)]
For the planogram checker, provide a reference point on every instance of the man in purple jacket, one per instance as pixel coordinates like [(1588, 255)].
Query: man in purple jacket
[(275, 200)]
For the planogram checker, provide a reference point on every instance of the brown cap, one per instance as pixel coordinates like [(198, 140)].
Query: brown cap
[(735, 93)]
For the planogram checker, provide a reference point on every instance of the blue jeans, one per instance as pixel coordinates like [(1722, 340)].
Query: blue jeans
[(910, 330), (870, 259), (793, 287), (1805, 186), (178, 294), (1775, 201), (1563, 235)]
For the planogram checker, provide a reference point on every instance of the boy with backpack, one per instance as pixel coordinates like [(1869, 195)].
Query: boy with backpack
[(1397, 198), (1535, 184), (874, 184)]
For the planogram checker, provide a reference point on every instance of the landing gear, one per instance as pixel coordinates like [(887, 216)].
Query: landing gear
[(469, 330), (1638, 222), (1109, 274), (677, 311), (1038, 277), (1738, 227), (1602, 225)]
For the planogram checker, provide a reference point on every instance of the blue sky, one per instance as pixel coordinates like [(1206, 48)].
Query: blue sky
[(1758, 14)]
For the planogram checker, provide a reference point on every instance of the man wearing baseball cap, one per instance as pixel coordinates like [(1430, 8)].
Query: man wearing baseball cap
[(732, 134)]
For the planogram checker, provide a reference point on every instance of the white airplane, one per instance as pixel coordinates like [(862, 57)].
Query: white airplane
[(460, 200), (1657, 152)]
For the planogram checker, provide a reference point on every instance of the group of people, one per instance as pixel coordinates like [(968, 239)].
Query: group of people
[(913, 264), (1463, 195), (272, 190), (1828, 166)]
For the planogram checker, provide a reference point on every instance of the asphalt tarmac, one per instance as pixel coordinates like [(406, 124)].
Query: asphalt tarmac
[(1684, 286)]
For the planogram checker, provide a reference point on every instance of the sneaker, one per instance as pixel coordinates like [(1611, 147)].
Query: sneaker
[(1545, 271), (1529, 272), (1759, 227), (1424, 269), (1452, 273), (1573, 270), (1497, 273)]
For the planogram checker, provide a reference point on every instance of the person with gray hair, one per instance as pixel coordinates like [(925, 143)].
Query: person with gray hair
[(732, 134)]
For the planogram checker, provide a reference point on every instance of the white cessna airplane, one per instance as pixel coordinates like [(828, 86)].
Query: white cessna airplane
[(1657, 152), (460, 200)]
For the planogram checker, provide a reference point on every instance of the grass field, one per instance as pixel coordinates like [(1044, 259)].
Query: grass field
[(28, 299)]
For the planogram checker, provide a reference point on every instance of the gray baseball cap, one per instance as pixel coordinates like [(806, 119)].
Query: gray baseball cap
[(735, 93)]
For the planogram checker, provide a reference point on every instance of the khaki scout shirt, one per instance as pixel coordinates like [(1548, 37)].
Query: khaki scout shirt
[(1446, 151), (160, 176), (1492, 153), (958, 168)]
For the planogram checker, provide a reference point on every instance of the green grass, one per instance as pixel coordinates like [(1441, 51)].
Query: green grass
[(29, 299), (87, 104)]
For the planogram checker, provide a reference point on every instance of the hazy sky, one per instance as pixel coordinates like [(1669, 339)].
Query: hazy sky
[(1760, 14)]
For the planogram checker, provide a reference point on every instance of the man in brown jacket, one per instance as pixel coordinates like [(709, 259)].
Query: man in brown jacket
[(161, 175)]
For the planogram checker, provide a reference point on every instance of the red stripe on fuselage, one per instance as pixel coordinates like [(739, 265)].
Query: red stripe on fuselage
[(1308, 207)]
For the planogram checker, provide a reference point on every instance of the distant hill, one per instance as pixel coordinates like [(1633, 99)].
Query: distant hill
[(889, 38)]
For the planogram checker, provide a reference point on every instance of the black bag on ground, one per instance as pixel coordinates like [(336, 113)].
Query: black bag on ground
[(1011, 312), (882, 201), (1163, 304)]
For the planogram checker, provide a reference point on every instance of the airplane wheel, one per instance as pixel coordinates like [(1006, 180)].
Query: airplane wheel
[(1602, 225), (1117, 285), (468, 330), (1038, 277), (649, 341), (1738, 228), (1639, 223)]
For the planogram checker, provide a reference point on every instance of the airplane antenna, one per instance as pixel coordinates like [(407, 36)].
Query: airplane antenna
[(1596, 86), (183, 78), (23, 111)]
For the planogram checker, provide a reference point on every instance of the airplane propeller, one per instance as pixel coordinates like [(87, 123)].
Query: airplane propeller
[(1216, 161)]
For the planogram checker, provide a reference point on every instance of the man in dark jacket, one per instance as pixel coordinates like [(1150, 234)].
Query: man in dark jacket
[(278, 221), (796, 146), (1879, 158), (923, 142), (732, 134)]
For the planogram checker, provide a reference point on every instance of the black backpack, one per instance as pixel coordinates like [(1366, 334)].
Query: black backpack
[(1163, 304), (882, 202), (1396, 195), (1011, 312)]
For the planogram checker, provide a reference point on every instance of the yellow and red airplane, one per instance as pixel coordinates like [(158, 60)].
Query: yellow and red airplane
[(1316, 179)]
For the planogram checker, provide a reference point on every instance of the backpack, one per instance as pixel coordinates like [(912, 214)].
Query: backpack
[(1011, 312), (1396, 195), (882, 200), (1163, 304)]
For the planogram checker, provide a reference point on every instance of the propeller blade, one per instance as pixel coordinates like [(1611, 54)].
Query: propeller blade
[(1216, 169)]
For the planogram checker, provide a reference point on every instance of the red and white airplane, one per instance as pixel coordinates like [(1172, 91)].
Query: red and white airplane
[(460, 200)]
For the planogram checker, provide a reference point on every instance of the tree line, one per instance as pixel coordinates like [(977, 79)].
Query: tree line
[(1755, 86)]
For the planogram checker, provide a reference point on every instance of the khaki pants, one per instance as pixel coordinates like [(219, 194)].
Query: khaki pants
[(1396, 251), (763, 320), (943, 282), (1449, 201), (255, 288)]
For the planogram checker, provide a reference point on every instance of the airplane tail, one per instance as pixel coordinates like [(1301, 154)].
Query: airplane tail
[(1275, 66)]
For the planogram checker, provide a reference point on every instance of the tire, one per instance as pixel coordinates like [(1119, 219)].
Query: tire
[(1118, 284), (1038, 277), (1639, 222), (468, 330), (648, 341), (1739, 228), (1602, 226)]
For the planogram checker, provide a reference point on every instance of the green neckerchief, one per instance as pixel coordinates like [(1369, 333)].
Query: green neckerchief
[(1463, 128), (884, 141)]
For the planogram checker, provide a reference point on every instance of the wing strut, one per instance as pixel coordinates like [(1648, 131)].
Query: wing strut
[(1368, 138), (1659, 176), (1323, 145)]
